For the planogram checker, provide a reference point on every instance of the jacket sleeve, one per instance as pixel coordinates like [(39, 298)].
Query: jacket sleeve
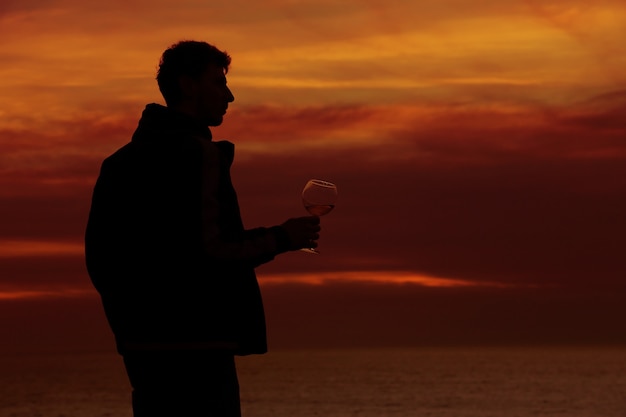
[(224, 238)]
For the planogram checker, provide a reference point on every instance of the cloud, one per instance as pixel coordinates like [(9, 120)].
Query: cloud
[(44, 273), (46, 294), (534, 198), (604, 112), (27, 248), (503, 193), (596, 26), (463, 150), (365, 277), (350, 314), (470, 142), (345, 314), (86, 53)]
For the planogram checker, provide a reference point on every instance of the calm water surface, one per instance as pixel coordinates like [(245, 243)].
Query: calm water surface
[(504, 382)]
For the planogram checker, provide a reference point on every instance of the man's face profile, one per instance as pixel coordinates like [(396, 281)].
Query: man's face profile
[(208, 95)]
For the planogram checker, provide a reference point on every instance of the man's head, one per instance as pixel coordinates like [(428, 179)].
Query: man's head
[(192, 79)]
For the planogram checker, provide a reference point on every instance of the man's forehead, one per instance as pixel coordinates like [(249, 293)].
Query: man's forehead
[(215, 71)]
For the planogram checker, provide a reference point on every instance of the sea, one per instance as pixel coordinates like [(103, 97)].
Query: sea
[(416, 382)]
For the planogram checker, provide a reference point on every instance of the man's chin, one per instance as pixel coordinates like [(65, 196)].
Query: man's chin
[(214, 121)]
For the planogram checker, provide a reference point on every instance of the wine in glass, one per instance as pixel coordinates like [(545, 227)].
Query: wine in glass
[(318, 197)]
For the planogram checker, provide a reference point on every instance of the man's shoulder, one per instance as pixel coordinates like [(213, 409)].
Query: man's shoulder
[(125, 153), (123, 150), (159, 156)]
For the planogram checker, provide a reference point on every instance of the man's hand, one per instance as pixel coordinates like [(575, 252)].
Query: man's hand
[(302, 231)]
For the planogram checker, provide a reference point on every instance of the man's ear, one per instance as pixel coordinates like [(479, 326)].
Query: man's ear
[(188, 86)]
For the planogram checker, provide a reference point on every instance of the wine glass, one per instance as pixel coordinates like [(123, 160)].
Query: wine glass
[(318, 197)]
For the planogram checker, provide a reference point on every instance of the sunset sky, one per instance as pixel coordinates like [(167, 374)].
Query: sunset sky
[(479, 149)]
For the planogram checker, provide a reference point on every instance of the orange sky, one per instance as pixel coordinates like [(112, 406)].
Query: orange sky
[(479, 149)]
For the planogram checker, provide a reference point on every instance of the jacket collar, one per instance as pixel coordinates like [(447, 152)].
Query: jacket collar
[(160, 123)]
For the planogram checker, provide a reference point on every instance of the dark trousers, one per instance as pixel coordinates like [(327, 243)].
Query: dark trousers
[(183, 384)]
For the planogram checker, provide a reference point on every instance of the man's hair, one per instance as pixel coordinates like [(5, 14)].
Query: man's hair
[(186, 58)]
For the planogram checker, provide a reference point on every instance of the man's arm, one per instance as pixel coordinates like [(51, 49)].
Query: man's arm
[(262, 244)]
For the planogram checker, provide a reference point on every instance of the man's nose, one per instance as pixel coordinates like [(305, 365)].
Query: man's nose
[(230, 97)]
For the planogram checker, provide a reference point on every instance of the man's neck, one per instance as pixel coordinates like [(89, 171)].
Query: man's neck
[(185, 109)]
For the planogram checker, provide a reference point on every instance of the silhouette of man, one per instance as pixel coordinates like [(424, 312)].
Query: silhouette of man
[(166, 249)]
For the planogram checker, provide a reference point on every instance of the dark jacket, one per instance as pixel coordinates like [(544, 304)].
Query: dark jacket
[(165, 246)]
